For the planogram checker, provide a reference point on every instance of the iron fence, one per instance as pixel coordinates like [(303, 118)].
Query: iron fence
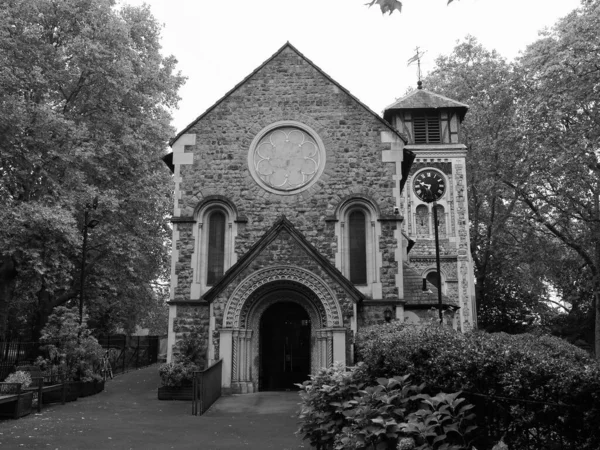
[(527, 424), (125, 353), (206, 388), (16, 353)]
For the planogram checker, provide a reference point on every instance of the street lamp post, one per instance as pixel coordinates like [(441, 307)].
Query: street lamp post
[(430, 197), (437, 261), (87, 223)]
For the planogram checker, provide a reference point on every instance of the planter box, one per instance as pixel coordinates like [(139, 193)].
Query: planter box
[(24, 407), (87, 388), (175, 393), (99, 386), (56, 396)]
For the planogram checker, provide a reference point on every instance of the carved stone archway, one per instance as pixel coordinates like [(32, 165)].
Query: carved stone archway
[(234, 316), (239, 338)]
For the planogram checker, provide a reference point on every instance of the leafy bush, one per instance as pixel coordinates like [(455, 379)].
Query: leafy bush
[(176, 374), (70, 346), (534, 382), (190, 351), (19, 376), (339, 412)]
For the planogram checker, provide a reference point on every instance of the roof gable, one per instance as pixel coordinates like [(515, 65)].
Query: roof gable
[(283, 225), (289, 46)]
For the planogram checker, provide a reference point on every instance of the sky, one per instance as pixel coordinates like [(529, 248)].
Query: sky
[(220, 42)]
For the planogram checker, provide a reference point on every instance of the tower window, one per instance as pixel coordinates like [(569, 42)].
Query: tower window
[(426, 128)]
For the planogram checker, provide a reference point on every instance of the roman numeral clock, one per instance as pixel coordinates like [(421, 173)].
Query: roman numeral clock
[(429, 185)]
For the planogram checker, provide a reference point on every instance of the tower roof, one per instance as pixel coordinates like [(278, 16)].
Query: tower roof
[(424, 99)]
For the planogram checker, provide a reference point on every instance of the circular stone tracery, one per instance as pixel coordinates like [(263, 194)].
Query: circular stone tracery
[(286, 157)]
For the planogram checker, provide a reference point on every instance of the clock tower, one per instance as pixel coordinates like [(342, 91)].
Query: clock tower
[(432, 124)]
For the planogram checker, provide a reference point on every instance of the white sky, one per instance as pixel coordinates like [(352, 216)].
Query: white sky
[(219, 42)]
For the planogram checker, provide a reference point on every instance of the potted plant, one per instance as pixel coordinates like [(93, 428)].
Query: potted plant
[(176, 381), (72, 351), (25, 401)]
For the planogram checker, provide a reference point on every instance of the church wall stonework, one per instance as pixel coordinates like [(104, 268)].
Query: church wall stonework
[(286, 162), (192, 321), (286, 89)]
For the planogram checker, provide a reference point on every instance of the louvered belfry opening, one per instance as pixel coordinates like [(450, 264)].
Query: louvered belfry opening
[(426, 127)]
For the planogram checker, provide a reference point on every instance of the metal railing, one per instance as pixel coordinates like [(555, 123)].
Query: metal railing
[(206, 388), (16, 353), (125, 353)]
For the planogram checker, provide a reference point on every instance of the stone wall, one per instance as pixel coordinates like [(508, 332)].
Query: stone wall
[(192, 320), (287, 88)]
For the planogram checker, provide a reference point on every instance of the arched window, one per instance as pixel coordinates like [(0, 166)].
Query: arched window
[(215, 261), (357, 240), (359, 257), (422, 219), (441, 217), (432, 278), (215, 235)]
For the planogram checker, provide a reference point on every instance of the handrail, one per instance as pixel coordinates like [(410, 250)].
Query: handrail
[(206, 387)]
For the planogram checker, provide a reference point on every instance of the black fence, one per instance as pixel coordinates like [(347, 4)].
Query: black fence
[(206, 388), (125, 353), (526, 424), (14, 354)]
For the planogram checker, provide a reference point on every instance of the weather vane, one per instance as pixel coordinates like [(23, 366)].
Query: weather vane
[(417, 58)]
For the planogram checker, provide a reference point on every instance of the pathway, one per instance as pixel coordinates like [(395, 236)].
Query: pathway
[(127, 415)]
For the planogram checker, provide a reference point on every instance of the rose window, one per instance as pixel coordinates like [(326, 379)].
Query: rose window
[(286, 159)]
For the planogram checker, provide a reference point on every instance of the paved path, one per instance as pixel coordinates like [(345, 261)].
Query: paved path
[(127, 415)]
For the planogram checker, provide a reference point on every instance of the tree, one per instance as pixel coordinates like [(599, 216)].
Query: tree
[(510, 288), (533, 138), (558, 177), (85, 94)]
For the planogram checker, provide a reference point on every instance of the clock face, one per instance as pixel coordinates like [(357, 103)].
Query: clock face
[(429, 185)]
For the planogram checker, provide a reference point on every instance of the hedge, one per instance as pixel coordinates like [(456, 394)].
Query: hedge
[(536, 390)]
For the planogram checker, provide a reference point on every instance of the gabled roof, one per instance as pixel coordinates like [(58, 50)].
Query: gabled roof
[(282, 225), (287, 45), (424, 99), (413, 291)]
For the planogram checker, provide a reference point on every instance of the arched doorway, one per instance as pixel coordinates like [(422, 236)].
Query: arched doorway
[(285, 344)]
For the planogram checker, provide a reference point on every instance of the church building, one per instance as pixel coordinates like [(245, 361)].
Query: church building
[(299, 218)]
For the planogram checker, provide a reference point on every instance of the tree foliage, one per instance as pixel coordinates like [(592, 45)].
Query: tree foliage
[(389, 6), (532, 133), (85, 96)]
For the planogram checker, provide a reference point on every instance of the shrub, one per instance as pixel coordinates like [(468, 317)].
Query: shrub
[(539, 385), (339, 412), (176, 374), (70, 346), (19, 376)]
